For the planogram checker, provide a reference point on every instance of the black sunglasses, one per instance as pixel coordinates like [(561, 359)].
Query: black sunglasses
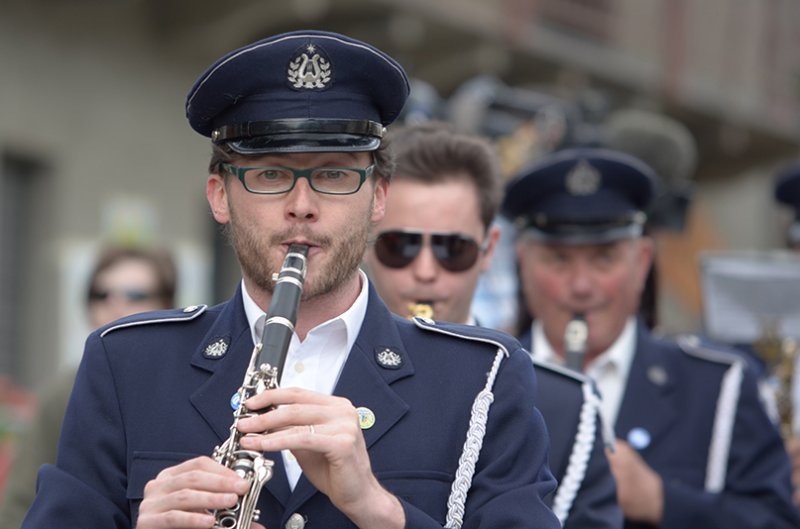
[(456, 252), (130, 295)]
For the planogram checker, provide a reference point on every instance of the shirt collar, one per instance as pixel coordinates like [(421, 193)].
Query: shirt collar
[(540, 347), (352, 318), (620, 353)]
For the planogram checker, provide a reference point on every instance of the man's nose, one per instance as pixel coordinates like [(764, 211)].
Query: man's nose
[(424, 266), (302, 202)]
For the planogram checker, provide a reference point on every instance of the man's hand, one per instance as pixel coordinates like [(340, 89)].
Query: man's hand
[(640, 491), (182, 496), (323, 433)]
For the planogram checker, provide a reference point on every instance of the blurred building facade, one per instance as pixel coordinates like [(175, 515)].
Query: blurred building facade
[(93, 141)]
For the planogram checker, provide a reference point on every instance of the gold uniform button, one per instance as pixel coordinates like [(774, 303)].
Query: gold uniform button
[(296, 521)]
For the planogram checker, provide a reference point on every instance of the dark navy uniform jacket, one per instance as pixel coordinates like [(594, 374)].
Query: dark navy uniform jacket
[(694, 415), (148, 395), (577, 450)]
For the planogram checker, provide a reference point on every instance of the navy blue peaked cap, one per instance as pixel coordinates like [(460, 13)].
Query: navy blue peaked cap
[(787, 191), (787, 187), (581, 196), (304, 91)]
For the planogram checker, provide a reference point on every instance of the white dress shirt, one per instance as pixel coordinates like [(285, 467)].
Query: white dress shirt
[(316, 362), (609, 370)]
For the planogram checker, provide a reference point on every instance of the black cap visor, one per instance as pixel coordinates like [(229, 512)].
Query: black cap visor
[(584, 232), (300, 135)]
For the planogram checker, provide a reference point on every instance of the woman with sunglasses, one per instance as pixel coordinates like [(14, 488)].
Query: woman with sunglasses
[(124, 280), (430, 248)]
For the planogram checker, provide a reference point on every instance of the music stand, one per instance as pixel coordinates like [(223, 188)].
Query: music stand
[(748, 294), (753, 298)]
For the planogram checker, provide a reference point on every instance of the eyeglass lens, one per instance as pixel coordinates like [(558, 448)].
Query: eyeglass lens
[(273, 180), (454, 251), (130, 295)]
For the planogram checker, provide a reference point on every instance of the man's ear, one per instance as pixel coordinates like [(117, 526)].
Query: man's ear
[(217, 196), (647, 250), (492, 237), (379, 199)]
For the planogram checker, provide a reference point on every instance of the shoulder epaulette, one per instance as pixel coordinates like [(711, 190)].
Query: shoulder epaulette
[(162, 316), (727, 403), (561, 370), (478, 417), (465, 332), (694, 346)]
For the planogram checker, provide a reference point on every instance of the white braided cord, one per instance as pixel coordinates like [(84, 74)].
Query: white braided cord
[(727, 402), (472, 448), (579, 458)]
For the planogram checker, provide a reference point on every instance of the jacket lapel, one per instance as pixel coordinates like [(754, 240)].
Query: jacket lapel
[(647, 408), (225, 373), (212, 398), (367, 384)]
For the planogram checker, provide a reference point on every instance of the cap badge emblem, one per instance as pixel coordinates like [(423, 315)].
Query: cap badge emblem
[(583, 179), (388, 358), (309, 69)]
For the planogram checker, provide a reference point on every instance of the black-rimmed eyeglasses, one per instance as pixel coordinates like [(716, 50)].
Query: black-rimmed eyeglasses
[(274, 180), (456, 252)]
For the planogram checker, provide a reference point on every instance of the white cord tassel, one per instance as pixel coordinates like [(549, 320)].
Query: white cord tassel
[(579, 458), (472, 448)]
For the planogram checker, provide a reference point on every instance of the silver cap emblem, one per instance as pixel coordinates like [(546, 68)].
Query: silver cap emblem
[(583, 179), (309, 69)]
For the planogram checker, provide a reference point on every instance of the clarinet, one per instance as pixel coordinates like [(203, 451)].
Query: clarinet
[(264, 372), (575, 335)]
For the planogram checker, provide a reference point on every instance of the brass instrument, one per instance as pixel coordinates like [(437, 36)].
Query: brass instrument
[(576, 333), (264, 372), (780, 354), (421, 309)]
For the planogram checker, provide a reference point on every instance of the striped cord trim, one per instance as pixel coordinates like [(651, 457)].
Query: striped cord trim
[(472, 448), (719, 448)]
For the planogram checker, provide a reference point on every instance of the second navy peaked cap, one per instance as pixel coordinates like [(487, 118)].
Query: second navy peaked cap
[(787, 186), (787, 191), (303, 91), (581, 196)]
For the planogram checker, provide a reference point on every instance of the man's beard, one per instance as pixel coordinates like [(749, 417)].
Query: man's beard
[(344, 253)]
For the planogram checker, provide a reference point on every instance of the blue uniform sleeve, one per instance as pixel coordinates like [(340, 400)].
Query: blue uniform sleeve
[(757, 486), (87, 486)]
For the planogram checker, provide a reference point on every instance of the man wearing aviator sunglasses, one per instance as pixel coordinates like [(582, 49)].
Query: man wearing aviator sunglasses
[(437, 235), (431, 246)]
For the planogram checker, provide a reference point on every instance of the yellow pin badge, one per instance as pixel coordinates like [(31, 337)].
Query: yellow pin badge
[(366, 419)]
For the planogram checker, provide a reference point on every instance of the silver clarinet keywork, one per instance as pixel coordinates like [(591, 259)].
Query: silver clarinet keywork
[(575, 335), (264, 372)]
